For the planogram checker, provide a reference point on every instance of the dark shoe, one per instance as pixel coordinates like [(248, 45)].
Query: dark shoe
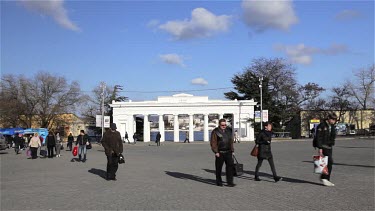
[(231, 185), (219, 184), (257, 179), (277, 179)]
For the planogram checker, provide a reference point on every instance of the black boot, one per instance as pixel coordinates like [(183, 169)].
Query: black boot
[(276, 178), (256, 178), (84, 158), (79, 158)]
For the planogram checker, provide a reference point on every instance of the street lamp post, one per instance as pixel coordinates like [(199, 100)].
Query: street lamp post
[(239, 121), (261, 103)]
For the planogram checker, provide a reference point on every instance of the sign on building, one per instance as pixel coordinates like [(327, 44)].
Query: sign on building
[(257, 116), (99, 121)]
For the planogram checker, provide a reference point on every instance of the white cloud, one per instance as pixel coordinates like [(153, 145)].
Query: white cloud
[(301, 54), (263, 15), (203, 23), (172, 59), (199, 81), (347, 15), (52, 8), (153, 23)]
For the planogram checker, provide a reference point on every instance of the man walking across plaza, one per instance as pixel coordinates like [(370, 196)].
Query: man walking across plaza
[(222, 145), (113, 147), (82, 141), (325, 140)]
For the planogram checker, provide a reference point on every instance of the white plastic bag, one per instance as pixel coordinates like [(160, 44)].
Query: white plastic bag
[(320, 164)]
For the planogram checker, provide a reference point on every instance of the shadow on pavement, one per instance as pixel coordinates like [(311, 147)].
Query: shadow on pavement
[(355, 147), (191, 177), (343, 164), (99, 172), (3, 153)]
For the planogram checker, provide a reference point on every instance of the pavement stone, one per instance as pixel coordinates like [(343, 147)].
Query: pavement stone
[(178, 176)]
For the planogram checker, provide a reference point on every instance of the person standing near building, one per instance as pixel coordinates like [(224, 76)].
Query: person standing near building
[(325, 140), (70, 141), (187, 137), (58, 144), (264, 144), (51, 144), (135, 138), (34, 144), (236, 137), (222, 145), (113, 147), (17, 142), (158, 137), (82, 141)]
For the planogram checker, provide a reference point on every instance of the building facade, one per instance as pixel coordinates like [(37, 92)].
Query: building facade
[(125, 113)]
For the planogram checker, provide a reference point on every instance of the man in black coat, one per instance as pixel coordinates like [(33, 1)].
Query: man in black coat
[(158, 137), (17, 142), (51, 144), (222, 145), (325, 140), (113, 147)]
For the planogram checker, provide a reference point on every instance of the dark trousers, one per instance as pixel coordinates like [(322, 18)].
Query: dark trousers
[(187, 140), (50, 151), (34, 152), (112, 166), (328, 152), (70, 146), (229, 165), (158, 142), (259, 164)]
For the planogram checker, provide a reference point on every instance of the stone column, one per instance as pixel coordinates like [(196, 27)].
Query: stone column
[(205, 128), (134, 128), (161, 128), (191, 127), (221, 116), (176, 129), (146, 129)]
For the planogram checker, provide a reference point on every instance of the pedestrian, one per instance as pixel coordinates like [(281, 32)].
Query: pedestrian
[(113, 147), (135, 138), (17, 142), (222, 145), (70, 141), (127, 137), (58, 144), (51, 144), (187, 137), (236, 137), (82, 141), (264, 144), (325, 140), (34, 144), (158, 137)]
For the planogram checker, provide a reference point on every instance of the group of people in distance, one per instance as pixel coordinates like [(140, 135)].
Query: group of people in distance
[(222, 146)]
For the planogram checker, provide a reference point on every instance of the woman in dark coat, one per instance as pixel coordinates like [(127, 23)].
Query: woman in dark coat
[(264, 143)]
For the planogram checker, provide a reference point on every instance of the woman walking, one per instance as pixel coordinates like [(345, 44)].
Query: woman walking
[(34, 144), (264, 143)]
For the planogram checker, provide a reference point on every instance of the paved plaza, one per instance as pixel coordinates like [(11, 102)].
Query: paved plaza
[(178, 176)]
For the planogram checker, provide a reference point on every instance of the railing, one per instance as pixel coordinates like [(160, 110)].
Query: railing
[(281, 134)]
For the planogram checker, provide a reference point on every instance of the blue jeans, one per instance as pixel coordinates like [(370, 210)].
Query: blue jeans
[(82, 151)]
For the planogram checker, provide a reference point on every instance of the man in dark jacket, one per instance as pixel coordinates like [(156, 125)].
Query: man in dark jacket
[(51, 143), (158, 137), (82, 141), (17, 142), (222, 145), (70, 141), (325, 140), (112, 144)]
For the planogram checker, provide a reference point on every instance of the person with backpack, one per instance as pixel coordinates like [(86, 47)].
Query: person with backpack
[(325, 140), (82, 141)]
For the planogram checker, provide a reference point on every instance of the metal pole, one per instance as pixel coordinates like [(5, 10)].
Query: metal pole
[(103, 88), (239, 130), (261, 103)]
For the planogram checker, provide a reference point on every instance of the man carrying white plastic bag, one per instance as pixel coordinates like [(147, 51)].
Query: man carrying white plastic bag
[(320, 164), (325, 140)]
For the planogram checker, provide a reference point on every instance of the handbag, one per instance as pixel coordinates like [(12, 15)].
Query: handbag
[(75, 151), (121, 159), (238, 168), (320, 164), (28, 153), (88, 146), (255, 151)]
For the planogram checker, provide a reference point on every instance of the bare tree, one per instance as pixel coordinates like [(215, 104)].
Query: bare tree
[(362, 87), (340, 100), (40, 98)]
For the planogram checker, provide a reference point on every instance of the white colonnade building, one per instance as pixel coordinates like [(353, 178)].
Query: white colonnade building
[(125, 113)]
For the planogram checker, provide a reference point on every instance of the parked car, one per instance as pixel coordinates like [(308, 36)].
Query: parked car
[(3, 143)]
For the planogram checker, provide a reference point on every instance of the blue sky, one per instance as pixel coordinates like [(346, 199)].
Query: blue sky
[(150, 46)]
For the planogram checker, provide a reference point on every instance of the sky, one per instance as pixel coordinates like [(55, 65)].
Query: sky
[(161, 48)]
